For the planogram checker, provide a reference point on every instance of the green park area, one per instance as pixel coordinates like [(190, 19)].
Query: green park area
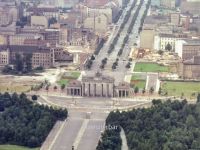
[(68, 76), (14, 147), (150, 67), (178, 89), (138, 81)]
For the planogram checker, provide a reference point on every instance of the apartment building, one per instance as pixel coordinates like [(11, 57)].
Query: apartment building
[(98, 23), (19, 39), (41, 56), (190, 66), (4, 56), (48, 12)]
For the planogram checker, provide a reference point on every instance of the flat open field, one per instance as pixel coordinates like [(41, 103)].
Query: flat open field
[(138, 81), (186, 89), (150, 67), (66, 77), (14, 147), (14, 88)]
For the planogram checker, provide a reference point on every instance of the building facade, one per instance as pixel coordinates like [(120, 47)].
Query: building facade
[(98, 86)]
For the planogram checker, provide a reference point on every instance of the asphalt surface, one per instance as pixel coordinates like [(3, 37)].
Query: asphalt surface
[(121, 71)]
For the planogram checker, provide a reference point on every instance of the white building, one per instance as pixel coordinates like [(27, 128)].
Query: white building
[(179, 47), (162, 40)]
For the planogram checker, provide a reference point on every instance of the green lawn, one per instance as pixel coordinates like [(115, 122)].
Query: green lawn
[(179, 88), (140, 84), (75, 74), (14, 147), (150, 67), (63, 81), (71, 75), (138, 81), (137, 77)]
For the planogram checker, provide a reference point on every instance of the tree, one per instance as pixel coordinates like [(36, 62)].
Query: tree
[(168, 47), (190, 121), (102, 66), (47, 88), (19, 65), (143, 91), (160, 91), (34, 97), (7, 69), (151, 90), (55, 87), (128, 65), (136, 90), (26, 123), (52, 21), (198, 97), (2, 106), (62, 87), (92, 57), (114, 67), (28, 62), (160, 52)]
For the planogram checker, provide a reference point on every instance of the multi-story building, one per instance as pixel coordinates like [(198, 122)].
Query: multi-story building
[(39, 21), (190, 69), (168, 3), (51, 35), (49, 12), (4, 56), (161, 41), (190, 48), (190, 6), (98, 23), (8, 13), (190, 66), (18, 39), (175, 18), (41, 56), (147, 38)]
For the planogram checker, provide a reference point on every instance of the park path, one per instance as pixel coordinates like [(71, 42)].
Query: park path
[(124, 141), (152, 81)]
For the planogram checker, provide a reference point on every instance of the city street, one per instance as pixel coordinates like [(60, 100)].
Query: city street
[(121, 70)]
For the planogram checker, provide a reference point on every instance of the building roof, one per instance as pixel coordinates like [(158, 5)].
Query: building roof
[(192, 42), (167, 35), (156, 19), (98, 77), (42, 9), (194, 61), (28, 49), (123, 85), (74, 83), (96, 3)]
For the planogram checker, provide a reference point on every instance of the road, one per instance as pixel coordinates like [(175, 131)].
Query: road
[(121, 70), (79, 131)]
